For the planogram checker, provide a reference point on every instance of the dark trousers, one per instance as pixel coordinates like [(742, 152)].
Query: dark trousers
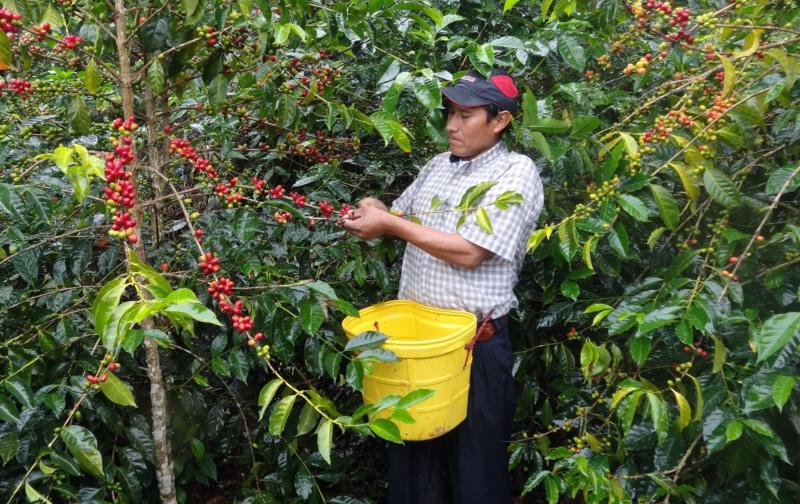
[(470, 463)]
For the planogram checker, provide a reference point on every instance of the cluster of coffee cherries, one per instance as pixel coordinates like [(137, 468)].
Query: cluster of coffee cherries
[(68, 43), (696, 349), (184, 149), (717, 109), (223, 286), (19, 87), (209, 263), (681, 367), (606, 190), (664, 126), (41, 31), (110, 365), (640, 67), (572, 333), (228, 192), (9, 21), (119, 191), (208, 33), (323, 149)]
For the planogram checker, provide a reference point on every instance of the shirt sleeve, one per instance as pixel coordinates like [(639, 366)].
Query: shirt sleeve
[(405, 202), (509, 226)]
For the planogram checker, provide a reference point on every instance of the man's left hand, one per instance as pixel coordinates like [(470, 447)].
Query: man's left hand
[(367, 222)]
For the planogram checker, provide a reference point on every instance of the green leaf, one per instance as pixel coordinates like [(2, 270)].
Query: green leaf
[(415, 397), (634, 207), (8, 410), (107, 299), (779, 177), (507, 6), (721, 188), (658, 413), (120, 319), (654, 236), (239, 364), (689, 181), (323, 288), (91, 77), (656, 318), (533, 481), (626, 409), (267, 393), (82, 444), (572, 52), (474, 195), (308, 419), (365, 341), (482, 58), (378, 354), (390, 128), (775, 333), (570, 289), (530, 112), (667, 206), (195, 311), (540, 142), (719, 355), (482, 218), (551, 489), (198, 449), (781, 390), (640, 349), (155, 76), (34, 496), (428, 93), (684, 410), (117, 391), (217, 91), (5, 51), (280, 413), (734, 430), (9, 446), (155, 32), (311, 315), (325, 440), (730, 75), (537, 237), (386, 429), (78, 116), (550, 125)]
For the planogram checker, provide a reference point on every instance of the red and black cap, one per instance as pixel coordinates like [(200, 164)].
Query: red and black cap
[(474, 90)]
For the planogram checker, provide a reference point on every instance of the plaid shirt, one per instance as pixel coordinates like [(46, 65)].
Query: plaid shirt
[(439, 187)]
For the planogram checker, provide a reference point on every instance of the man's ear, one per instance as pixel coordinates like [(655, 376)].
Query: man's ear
[(502, 119)]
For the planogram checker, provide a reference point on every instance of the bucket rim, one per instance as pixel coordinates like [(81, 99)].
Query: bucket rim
[(409, 344)]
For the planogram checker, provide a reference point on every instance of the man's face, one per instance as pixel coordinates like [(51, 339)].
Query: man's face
[(471, 132)]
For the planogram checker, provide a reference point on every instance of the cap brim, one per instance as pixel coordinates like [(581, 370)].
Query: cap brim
[(463, 98)]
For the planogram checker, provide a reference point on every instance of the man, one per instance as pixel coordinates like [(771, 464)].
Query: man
[(464, 267)]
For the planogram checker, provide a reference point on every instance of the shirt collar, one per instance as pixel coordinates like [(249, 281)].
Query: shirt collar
[(487, 157)]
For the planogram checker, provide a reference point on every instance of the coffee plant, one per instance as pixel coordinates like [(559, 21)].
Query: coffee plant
[(174, 278)]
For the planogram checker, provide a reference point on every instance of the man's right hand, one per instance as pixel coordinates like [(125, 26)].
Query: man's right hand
[(372, 202)]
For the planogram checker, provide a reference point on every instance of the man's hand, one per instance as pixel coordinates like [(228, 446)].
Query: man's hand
[(374, 202), (368, 221)]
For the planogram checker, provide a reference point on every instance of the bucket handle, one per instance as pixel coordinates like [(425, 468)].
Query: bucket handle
[(471, 344)]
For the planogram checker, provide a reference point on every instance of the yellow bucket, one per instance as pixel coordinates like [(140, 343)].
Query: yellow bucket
[(429, 343)]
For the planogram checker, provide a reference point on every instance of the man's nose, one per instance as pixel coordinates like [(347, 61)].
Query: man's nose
[(452, 124)]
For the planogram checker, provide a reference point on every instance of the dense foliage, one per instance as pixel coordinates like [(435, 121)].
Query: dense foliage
[(173, 278)]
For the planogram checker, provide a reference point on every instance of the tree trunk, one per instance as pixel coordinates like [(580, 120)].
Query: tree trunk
[(164, 472)]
